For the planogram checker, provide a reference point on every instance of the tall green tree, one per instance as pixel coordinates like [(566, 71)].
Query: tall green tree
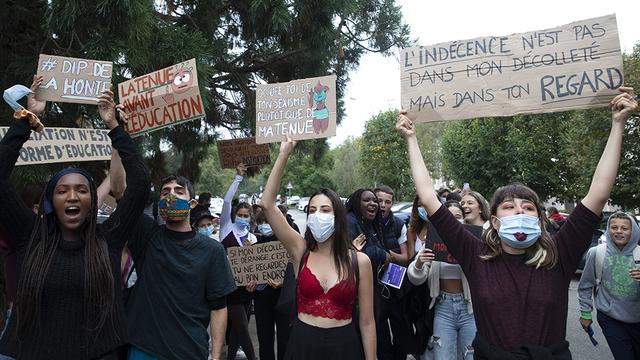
[(383, 155), (346, 173), (237, 44), (555, 154)]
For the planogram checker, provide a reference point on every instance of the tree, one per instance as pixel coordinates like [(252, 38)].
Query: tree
[(237, 44), (346, 173), (383, 155), (555, 154)]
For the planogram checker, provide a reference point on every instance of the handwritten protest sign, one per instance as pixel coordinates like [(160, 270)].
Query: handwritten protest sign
[(302, 109), (162, 98), (258, 263), (574, 66), (233, 152), (435, 243), (73, 80), (54, 145)]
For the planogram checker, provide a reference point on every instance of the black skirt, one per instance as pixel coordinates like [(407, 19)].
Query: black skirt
[(308, 342)]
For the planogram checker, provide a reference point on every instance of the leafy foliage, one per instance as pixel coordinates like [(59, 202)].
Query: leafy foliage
[(237, 44)]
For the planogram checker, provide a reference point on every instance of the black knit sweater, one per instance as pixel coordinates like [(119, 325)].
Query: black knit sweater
[(61, 332)]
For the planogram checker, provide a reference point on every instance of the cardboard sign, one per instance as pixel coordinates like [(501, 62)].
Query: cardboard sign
[(73, 80), (394, 275), (259, 262), (435, 243), (233, 152), (55, 145), (302, 109), (162, 98), (574, 66)]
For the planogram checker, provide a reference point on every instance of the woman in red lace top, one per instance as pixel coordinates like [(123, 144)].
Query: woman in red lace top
[(332, 277)]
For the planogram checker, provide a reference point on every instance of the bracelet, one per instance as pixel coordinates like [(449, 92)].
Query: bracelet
[(34, 121)]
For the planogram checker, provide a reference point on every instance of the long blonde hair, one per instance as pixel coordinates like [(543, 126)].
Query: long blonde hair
[(544, 252)]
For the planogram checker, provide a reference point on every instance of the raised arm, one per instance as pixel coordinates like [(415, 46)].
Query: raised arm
[(421, 178), (15, 217), (117, 176), (292, 240), (225, 213), (130, 208), (622, 106)]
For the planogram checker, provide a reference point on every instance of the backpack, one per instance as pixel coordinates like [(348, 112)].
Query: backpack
[(601, 252)]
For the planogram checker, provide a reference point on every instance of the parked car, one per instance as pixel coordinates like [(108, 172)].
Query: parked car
[(403, 210), (303, 204), (293, 200)]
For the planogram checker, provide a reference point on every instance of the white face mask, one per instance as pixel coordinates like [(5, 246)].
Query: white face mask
[(321, 225)]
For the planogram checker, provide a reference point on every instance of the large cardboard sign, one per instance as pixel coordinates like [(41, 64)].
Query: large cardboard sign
[(73, 80), (162, 98), (573, 66), (301, 109), (435, 243), (258, 263), (233, 152), (54, 145)]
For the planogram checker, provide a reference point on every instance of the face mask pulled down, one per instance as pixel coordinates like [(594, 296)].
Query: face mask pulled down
[(519, 231), (321, 226), (173, 208)]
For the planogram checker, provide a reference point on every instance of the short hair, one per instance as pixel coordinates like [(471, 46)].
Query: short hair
[(455, 204), (553, 210), (383, 188), (283, 209), (180, 180), (454, 196), (204, 197)]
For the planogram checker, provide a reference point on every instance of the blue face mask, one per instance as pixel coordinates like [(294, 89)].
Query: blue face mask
[(206, 231), (265, 229), (15, 93), (519, 231), (422, 213), (242, 222)]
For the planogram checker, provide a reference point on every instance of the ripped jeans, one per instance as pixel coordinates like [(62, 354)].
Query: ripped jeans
[(453, 330)]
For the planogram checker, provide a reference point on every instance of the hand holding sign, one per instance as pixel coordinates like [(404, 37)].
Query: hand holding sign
[(287, 146), (107, 108), (34, 105), (241, 169), (624, 104), (405, 126)]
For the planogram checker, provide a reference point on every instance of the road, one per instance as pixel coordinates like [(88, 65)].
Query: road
[(581, 347)]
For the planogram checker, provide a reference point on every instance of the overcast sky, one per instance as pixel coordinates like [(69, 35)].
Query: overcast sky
[(375, 86)]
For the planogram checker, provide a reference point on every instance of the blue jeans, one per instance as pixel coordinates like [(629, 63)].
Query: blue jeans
[(453, 330)]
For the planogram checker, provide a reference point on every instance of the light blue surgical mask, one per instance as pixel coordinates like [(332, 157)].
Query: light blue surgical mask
[(519, 231), (422, 213), (206, 231), (265, 229), (321, 225), (242, 222), (15, 93)]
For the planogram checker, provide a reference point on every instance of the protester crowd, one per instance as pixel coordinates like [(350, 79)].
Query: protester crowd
[(69, 281)]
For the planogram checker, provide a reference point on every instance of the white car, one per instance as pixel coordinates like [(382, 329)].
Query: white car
[(303, 204), (293, 200)]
